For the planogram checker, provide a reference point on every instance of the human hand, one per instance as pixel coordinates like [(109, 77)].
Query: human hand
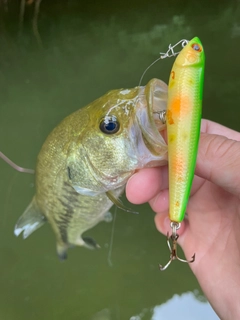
[(212, 226)]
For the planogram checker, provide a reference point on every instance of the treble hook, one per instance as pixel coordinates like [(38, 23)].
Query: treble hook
[(173, 249)]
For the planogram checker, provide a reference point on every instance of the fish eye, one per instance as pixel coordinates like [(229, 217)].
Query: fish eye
[(196, 47), (109, 125)]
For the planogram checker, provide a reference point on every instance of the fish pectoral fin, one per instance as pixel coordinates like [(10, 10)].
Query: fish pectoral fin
[(118, 202), (30, 220), (85, 191), (90, 243)]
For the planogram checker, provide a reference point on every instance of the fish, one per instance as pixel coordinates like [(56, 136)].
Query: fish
[(85, 162), (183, 119)]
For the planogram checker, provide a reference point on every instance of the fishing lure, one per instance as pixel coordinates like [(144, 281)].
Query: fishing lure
[(183, 119)]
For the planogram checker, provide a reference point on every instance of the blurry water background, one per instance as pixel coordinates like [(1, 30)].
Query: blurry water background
[(82, 51)]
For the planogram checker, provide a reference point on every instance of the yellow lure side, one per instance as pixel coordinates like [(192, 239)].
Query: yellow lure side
[(183, 121)]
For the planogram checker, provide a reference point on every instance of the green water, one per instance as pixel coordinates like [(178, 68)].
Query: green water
[(87, 50)]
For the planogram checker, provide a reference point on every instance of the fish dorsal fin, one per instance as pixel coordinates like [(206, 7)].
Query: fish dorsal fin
[(118, 202), (30, 220)]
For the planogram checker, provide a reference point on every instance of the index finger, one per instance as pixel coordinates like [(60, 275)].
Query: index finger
[(212, 127), (146, 184)]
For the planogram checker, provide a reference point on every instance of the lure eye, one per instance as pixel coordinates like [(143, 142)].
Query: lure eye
[(109, 125), (196, 47)]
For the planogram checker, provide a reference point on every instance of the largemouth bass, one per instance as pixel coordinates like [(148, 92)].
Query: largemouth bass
[(86, 160)]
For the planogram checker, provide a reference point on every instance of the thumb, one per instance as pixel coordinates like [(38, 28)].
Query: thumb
[(219, 161)]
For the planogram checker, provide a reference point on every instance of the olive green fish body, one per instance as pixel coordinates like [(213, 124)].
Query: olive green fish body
[(69, 212), (88, 158)]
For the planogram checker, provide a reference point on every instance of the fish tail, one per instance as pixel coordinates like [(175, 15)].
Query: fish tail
[(30, 220)]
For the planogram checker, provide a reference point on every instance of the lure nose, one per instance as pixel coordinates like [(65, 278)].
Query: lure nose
[(196, 40), (191, 55)]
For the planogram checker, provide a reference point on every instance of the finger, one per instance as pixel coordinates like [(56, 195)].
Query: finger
[(218, 161), (160, 203), (197, 184), (146, 183), (211, 127), (163, 224)]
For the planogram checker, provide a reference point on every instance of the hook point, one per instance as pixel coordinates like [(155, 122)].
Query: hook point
[(173, 249)]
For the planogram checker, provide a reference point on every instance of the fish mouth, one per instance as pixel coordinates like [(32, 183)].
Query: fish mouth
[(152, 104)]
